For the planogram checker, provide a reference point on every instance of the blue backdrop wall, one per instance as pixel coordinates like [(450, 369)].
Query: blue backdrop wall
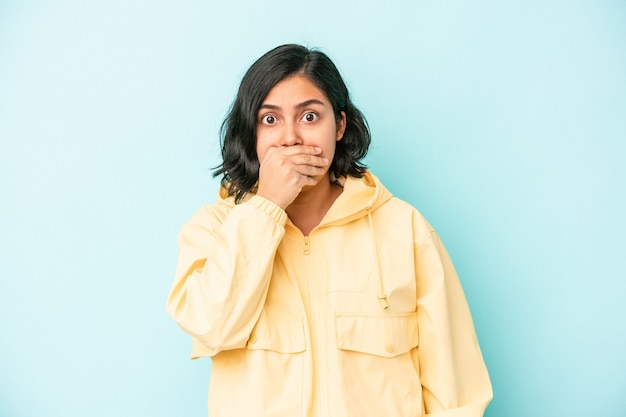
[(504, 122)]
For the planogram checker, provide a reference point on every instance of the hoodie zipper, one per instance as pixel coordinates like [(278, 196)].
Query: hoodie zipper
[(316, 320)]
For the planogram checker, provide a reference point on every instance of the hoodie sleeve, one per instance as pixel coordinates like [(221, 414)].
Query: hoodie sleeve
[(454, 377), (223, 272)]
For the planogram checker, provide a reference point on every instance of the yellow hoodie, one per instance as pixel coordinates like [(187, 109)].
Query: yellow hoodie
[(363, 317)]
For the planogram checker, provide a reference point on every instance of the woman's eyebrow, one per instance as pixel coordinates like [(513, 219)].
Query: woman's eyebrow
[(297, 106), (307, 103)]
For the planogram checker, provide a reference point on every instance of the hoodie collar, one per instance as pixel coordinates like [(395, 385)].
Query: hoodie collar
[(359, 197)]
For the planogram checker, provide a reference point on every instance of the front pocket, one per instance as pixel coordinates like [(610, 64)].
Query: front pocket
[(281, 336), (265, 377), (379, 364)]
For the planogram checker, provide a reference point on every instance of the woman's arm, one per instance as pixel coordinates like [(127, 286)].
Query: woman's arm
[(224, 271), (454, 377)]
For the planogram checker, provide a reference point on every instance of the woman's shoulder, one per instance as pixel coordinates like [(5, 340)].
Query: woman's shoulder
[(398, 214), (399, 211), (210, 215)]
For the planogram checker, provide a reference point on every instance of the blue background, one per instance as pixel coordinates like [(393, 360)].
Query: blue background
[(504, 122)]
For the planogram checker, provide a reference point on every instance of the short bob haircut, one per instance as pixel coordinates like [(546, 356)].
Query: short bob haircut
[(240, 166)]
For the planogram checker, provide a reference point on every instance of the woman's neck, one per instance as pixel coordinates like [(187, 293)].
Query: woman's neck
[(311, 205)]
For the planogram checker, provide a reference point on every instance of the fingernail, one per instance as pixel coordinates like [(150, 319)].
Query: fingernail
[(325, 160), (318, 149)]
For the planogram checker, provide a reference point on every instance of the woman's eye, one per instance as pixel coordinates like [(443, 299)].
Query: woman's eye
[(268, 119), (309, 117)]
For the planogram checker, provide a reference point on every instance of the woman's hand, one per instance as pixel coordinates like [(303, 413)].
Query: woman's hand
[(286, 169)]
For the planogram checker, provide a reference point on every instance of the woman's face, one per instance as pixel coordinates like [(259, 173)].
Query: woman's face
[(296, 112)]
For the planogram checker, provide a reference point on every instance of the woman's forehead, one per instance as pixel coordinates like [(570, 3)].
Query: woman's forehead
[(294, 90)]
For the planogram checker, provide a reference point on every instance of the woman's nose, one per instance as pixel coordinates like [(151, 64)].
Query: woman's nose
[(291, 135)]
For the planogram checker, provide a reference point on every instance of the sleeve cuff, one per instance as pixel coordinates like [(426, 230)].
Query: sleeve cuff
[(272, 209)]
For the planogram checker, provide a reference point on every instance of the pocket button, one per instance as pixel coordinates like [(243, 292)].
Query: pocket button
[(389, 347)]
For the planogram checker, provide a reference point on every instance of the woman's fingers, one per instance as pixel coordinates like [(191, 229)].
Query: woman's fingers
[(285, 170)]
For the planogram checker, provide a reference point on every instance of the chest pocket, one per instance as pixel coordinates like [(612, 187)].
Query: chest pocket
[(378, 357), (385, 336)]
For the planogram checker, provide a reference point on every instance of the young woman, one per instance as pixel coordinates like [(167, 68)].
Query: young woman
[(314, 290)]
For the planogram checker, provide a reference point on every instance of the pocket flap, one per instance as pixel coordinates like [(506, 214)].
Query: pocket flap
[(386, 336), (279, 336)]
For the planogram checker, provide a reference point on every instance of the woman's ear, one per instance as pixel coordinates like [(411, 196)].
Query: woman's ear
[(341, 126)]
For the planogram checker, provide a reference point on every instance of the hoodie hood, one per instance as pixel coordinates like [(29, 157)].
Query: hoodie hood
[(360, 196)]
